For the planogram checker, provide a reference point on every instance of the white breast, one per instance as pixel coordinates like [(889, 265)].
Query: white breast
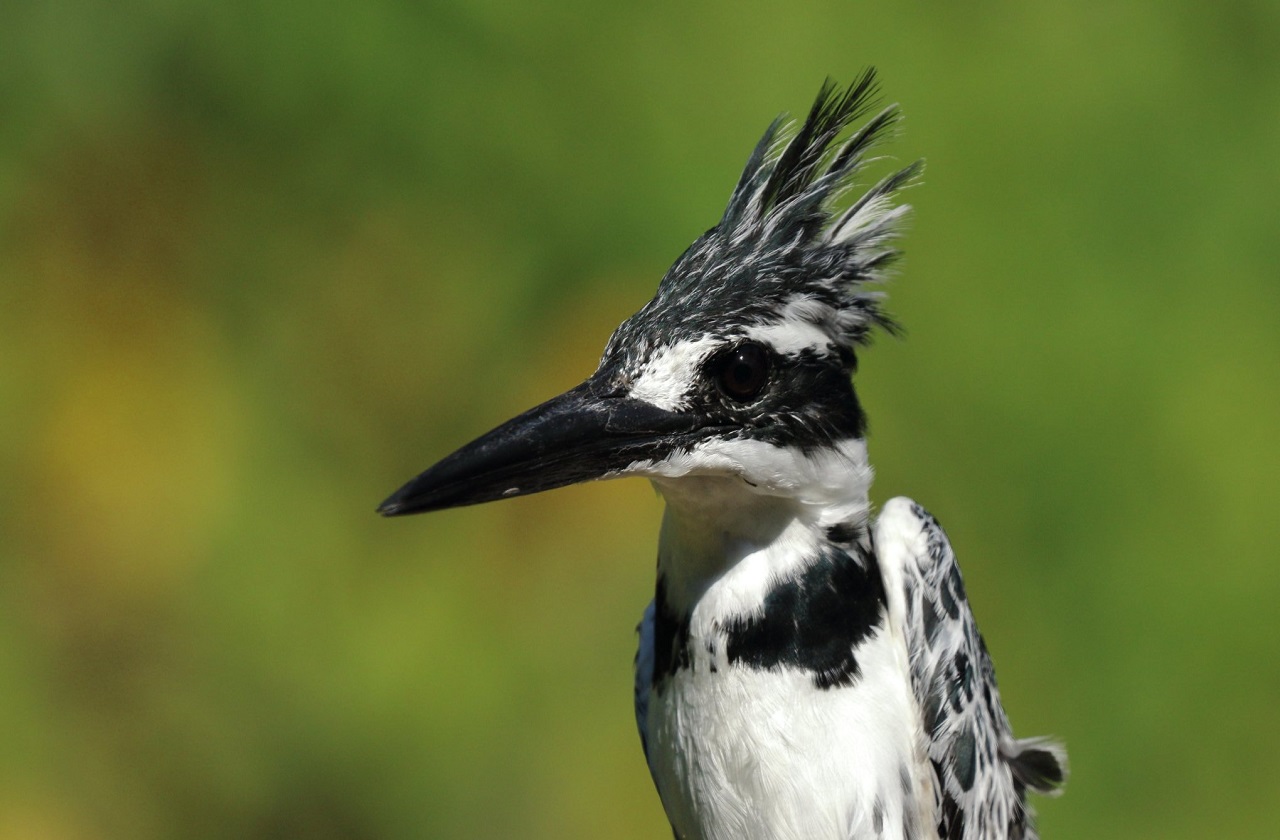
[(741, 754)]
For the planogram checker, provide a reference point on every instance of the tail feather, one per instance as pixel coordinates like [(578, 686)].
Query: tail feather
[(1038, 763)]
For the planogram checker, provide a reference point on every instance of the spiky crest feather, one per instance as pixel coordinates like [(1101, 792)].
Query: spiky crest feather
[(782, 246)]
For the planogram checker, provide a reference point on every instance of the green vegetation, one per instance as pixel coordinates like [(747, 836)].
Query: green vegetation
[(261, 262)]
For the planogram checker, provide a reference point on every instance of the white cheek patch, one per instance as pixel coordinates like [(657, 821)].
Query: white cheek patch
[(671, 373)]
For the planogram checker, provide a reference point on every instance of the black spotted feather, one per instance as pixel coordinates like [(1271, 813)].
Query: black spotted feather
[(982, 772)]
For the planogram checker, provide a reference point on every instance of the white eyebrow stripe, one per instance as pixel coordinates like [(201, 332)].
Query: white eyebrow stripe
[(672, 371), (791, 337)]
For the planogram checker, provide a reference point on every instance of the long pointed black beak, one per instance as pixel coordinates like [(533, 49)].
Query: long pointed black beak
[(578, 436)]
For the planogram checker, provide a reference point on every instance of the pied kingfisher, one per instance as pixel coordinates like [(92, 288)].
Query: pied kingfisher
[(805, 672)]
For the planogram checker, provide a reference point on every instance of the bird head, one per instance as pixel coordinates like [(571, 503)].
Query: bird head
[(741, 364)]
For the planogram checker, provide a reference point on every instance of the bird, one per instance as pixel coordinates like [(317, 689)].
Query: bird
[(806, 669)]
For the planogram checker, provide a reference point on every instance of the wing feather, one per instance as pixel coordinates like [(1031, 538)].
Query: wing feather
[(644, 678), (982, 771)]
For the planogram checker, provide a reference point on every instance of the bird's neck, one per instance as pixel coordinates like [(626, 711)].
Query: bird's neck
[(726, 543)]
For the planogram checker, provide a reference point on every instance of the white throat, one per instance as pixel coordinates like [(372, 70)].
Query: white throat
[(742, 515)]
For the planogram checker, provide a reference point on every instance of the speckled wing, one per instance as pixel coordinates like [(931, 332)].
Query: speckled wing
[(982, 771)]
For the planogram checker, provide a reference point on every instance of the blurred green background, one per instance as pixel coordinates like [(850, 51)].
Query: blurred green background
[(260, 262)]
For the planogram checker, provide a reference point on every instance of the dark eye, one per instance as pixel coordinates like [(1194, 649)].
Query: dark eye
[(743, 371)]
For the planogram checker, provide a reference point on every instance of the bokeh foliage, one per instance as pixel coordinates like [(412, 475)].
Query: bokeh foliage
[(262, 261)]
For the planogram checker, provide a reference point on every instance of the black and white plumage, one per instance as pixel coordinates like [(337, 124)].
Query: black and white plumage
[(803, 671), (981, 772)]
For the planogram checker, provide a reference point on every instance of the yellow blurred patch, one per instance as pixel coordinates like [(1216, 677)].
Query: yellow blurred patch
[(40, 820), (134, 427), (136, 460)]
